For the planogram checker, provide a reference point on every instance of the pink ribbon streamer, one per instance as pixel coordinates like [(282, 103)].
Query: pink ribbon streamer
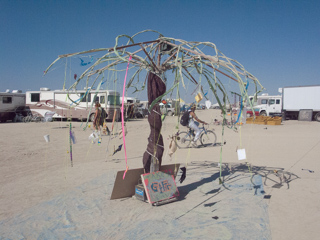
[(122, 119)]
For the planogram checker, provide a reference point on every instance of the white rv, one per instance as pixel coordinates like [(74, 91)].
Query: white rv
[(11, 103), (73, 104)]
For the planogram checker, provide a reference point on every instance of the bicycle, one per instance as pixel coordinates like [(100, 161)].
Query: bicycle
[(207, 137), (31, 118)]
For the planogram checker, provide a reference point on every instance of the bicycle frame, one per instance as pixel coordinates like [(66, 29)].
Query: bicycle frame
[(191, 131), (185, 138)]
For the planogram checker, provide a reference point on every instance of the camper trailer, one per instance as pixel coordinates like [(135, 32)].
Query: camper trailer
[(77, 104), (11, 103)]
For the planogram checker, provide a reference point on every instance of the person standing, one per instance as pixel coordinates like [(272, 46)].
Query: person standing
[(97, 117)]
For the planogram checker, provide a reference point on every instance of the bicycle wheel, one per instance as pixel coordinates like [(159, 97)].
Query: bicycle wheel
[(37, 119), (183, 140), (27, 119), (208, 138)]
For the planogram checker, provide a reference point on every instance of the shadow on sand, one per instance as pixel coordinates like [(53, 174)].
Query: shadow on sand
[(229, 171), (232, 174)]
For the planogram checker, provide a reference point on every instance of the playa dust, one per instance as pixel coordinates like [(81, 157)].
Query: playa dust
[(44, 197)]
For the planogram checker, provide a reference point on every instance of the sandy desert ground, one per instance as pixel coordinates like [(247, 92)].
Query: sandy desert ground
[(43, 197)]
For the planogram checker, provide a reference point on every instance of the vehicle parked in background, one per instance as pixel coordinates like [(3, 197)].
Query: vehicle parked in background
[(11, 104), (201, 106), (295, 99), (291, 103), (77, 104), (171, 107), (132, 108), (215, 106), (262, 99), (142, 110), (272, 108), (167, 109), (129, 100), (258, 102)]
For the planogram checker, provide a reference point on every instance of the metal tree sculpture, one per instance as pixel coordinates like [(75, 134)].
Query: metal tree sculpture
[(156, 57)]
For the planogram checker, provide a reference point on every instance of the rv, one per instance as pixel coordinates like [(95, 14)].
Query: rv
[(11, 103), (77, 104)]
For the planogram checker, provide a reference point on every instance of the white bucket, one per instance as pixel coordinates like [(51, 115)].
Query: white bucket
[(93, 137), (47, 138)]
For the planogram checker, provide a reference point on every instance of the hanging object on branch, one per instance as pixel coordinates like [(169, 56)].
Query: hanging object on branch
[(83, 63)]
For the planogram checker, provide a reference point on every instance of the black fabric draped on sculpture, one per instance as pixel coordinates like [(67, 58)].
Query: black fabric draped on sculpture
[(156, 88)]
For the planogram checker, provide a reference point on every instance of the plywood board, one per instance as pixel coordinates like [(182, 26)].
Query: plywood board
[(160, 186), (126, 187)]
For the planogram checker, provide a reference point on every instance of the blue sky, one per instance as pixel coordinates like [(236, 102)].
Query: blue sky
[(277, 41)]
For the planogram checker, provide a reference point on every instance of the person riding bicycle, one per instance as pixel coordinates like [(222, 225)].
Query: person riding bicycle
[(194, 124)]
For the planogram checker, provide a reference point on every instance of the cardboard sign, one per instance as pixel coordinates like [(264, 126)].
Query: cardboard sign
[(126, 187), (160, 186)]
